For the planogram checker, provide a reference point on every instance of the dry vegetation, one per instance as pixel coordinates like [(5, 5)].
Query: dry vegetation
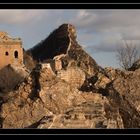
[(127, 55), (9, 79)]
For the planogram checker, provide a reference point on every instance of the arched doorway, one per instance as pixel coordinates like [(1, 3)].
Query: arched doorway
[(16, 54), (6, 53)]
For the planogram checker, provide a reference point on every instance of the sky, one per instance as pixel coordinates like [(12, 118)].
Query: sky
[(99, 32)]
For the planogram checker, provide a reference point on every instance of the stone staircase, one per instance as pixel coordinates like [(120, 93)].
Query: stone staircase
[(86, 115)]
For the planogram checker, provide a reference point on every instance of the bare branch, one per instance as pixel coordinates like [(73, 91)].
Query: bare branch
[(127, 55)]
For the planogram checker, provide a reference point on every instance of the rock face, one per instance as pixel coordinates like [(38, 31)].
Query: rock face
[(56, 104), (67, 89), (126, 86)]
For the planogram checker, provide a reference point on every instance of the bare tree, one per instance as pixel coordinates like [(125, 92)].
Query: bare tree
[(127, 55)]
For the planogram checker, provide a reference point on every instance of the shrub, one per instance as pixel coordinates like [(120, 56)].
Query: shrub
[(9, 78)]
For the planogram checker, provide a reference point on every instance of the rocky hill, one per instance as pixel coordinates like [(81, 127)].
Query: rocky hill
[(62, 44), (68, 89)]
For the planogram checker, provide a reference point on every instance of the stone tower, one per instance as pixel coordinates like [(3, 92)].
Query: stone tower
[(11, 51)]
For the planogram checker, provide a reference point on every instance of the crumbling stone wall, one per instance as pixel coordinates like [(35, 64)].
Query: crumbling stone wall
[(73, 75), (11, 51), (63, 42)]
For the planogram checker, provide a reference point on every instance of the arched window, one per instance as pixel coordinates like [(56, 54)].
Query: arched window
[(16, 54), (6, 53)]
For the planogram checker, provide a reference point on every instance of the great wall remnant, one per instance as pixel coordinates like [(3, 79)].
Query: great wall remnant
[(11, 51)]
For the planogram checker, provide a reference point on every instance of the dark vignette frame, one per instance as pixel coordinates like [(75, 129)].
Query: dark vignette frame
[(50, 5)]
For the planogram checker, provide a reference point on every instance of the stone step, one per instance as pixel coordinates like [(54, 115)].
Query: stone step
[(72, 124)]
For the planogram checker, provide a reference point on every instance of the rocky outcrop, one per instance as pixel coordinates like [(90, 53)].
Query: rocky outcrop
[(62, 42), (44, 100), (55, 104), (124, 92)]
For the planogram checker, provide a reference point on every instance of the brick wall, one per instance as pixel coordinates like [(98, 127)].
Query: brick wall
[(11, 51)]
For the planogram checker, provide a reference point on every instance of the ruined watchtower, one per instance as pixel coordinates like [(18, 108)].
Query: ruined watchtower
[(11, 51)]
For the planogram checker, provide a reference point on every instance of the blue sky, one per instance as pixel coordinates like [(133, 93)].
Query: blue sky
[(100, 32)]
